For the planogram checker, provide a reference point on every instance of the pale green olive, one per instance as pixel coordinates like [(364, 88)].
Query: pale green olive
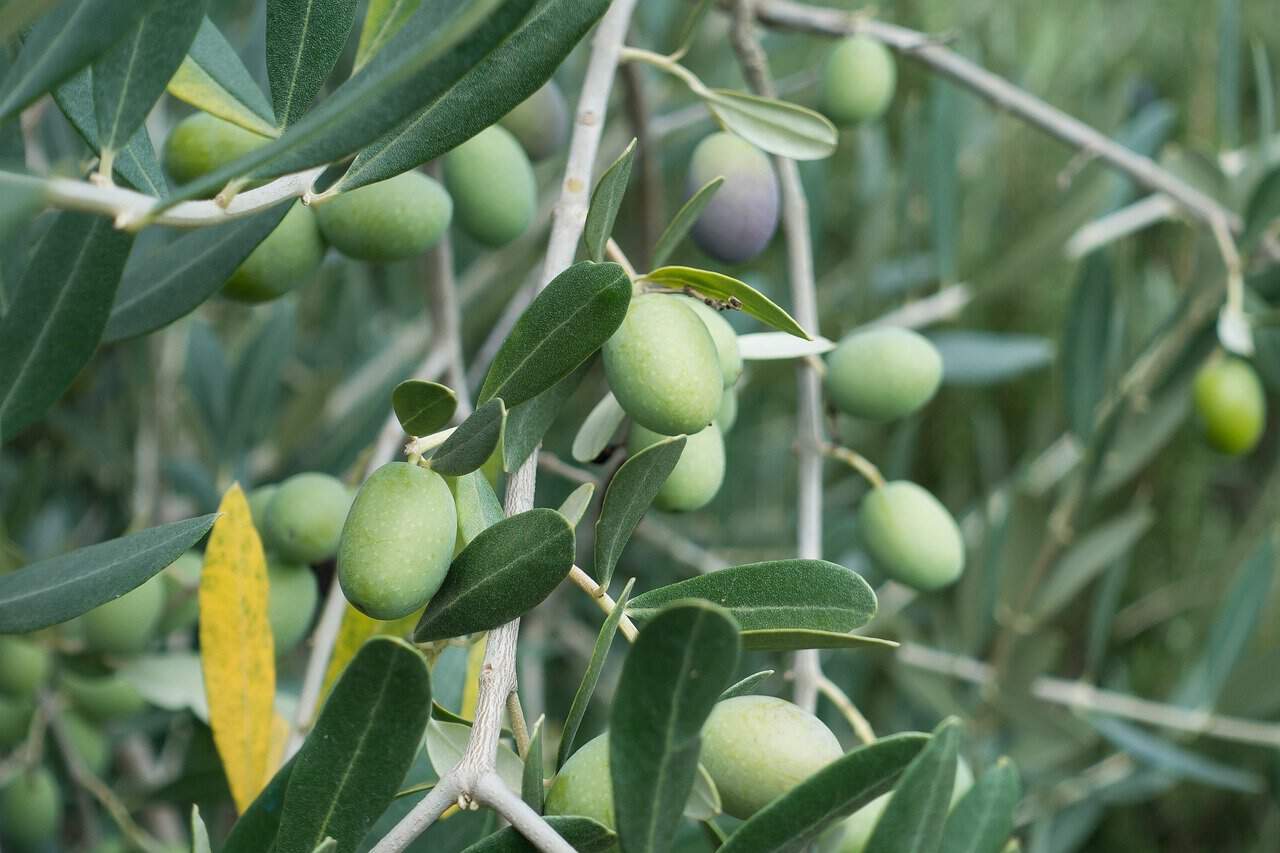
[(30, 807), (15, 719), (291, 603), (858, 81), (201, 143), (495, 194), (390, 220), (883, 373), (697, 476), (852, 834), (722, 335), (305, 517), (728, 414), (540, 122), (583, 785), (911, 536), (102, 698), (24, 666), (182, 588), (1230, 404), (286, 259), (126, 625), (88, 742)]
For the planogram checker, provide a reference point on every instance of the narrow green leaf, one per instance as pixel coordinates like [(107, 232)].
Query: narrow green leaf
[(304, 40), (1086, 343), (704, 800), (982, 821), (21, 197), (383, 20), (473, 442), (941, 184), (60, 588), (1230, 88), (447, 742), (606, 198), (582, 833), (136, 163), (1171, 758), (57, 315), (170, 281), (531, 787), (1263, 209), (563, 326), (629, 495), (256, 380), (582, 696), (795, 639), (478, 507), (746, 685), (769, 346), (515, 69), (672, 678), (131, 76), (528, 422), (1092, 554), (199, 833), (779, 127), (678, 228), (809, 594), (598, 429), (791, 822), (60, 45), (423, 407), (575, 506), (986, 358), (212, 78), (504, 573), (363, 743), (256, 829), (723, 288), (1264, 90), (912, 821)]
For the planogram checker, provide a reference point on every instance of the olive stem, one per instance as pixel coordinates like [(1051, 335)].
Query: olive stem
[(519, 728), (666, 63), (861, 728), (619, 257), (323, 641), (857, 462), (603, 600)]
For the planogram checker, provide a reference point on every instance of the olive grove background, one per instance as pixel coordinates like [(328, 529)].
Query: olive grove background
[(1041, 273)]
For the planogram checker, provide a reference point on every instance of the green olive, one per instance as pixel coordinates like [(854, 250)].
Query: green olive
[(259, 499), (102, 698), (201, 143), (540, 122), (305, 517), (291, 603), (391, 220), (697, 476), (24, 666), (30, 807), (852, 834), (288, 258), (858, 81), (182, 587), (398, 541), (1230, 404), (494, 190), (662, 366), (15, 720), (88, 742), (127, 624), (722, 335), (728, 414), (911, 536), (583, 785), (883, 373), (757, 748)]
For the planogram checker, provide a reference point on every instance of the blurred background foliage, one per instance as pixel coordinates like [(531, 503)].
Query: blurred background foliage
[(1175, 602)]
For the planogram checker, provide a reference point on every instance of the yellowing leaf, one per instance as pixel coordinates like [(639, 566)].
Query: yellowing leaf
[(471, 687), (236, 648), (355, 629)]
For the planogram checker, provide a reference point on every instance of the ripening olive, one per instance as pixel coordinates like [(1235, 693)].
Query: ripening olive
[(493, 187), (741, 217), (15, 719), (911, 536), (259, 499), (883, 373), (88, 742), (540, 122), (728, 414), (583, 785), (182, 587), (698, 474), (858, 81), (398, 541), (757, 748), (291, 603), (24, 666), (662, 366), (391, 220), (1230, 404), (102, 698), (30, 807), (724, 337), (305, 516), (852, 834), (287, 258), (126, 624), (202, 142)]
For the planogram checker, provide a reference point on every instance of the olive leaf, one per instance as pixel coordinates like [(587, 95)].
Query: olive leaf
[(1092, 553), (477, 504), (581, 833), (680, 225), (598, 429), (723, 288), (564, 325), (1087, 343), (779, 127), (765, 346), (473, 442), (304, 40), (982, 821), (199, 833), (383, 20), (606, 198), (423, 407), (212, 78), (746, 685), (51, 591), (629, 495), (531, 788), (136, 164), (986, 358), (912, 821), (795, 639), (677, 668), (258, 825), (503, 573), (582, 696), (446, 743), (529, 421), (1263, 208)]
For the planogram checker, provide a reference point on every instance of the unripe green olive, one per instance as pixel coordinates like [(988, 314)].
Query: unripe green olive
[(722, 335), (15, 719), (583, 785), (292, 602), (728, 414), (698, 474), (739, 221), (910, 536), (398, 541), (88, 742), (182, 588), (662, 366), (201, 143), (102, 698), (852, 834), (494, 191), (391, 220), (858, 81), (757, 748), (883, 373), (540, 122), (1230, 404), (30, 807), (259, 499), (24, 666), (126, 624), (305, 517), (287, 258)]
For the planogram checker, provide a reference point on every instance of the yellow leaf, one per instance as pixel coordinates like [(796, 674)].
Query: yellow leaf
[(192, 84), (355, 629), (471, 687), (236, 648)]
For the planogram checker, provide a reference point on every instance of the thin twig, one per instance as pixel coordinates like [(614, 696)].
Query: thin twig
[(603, 600), (861, 728), (649, 190), (857, 462), (322, 643)]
